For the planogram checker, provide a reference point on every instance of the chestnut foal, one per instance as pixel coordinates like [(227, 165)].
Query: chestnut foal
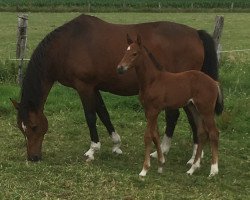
[(161, 89)]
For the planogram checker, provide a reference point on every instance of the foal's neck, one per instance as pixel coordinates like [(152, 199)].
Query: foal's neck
[(146, 71)]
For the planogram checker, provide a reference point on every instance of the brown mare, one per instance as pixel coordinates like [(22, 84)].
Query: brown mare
[(159, 89), (81, 54)]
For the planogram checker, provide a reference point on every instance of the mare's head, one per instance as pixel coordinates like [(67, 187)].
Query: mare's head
[(132, 55), (33, 126)]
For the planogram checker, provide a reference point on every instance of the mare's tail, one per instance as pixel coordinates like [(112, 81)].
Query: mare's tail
[(210, 65), (219, 106)]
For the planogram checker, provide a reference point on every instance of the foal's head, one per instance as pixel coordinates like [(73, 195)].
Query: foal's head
[(132, 55)]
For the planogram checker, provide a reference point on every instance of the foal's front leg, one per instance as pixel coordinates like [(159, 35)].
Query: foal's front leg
[(151, 133)]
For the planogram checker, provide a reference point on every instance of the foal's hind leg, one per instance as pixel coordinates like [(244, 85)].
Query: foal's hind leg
[(171, 117), (105, 118), (201, 138), (192, 123), (213, 134)]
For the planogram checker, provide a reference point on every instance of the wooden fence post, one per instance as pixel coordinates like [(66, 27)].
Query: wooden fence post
[(89, 7), (21, 44), (159, 6), (219, 23)]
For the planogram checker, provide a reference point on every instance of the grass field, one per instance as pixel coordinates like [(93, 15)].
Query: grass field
[(124, 5), (64, 175)]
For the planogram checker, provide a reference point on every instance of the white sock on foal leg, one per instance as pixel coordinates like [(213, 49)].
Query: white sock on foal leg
[(165, 146), (191, 161), (214, 169), (117, 143), (194, 167), (93, 148)]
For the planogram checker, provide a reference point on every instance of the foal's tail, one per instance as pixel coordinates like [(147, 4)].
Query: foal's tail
[(219, 106), (210, 65)]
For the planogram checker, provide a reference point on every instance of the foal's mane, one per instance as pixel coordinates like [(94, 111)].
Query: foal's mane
[(153, 59), (32, 91)]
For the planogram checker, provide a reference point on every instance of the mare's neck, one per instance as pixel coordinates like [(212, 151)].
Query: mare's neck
[(34, 95), (146, 72)]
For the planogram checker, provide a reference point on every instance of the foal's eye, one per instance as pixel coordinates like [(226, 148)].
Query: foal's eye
[(134, 54)]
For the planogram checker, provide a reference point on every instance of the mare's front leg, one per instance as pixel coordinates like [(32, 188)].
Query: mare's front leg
[(171, 117), (105, 118), (151, 133), (88, 98)]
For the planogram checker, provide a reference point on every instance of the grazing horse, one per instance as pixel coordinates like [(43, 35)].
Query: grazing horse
[(159, 89), (81, 54)]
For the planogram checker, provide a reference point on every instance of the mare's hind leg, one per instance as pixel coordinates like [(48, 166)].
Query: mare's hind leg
[(213, 134), (105, 118), (171, 117), (88, 99), (192, 123)]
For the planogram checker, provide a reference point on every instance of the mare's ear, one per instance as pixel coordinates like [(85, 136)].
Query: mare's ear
[(15, 103), (138, 39), (129, 40)]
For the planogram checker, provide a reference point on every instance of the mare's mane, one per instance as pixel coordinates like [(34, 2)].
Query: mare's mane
[(32, 91), (153, 59)]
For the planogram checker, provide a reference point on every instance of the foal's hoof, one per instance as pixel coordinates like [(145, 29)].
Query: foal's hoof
[(214, 170), (141, 178), (190, 162), (160, 170), (154, 154), (189, 172)]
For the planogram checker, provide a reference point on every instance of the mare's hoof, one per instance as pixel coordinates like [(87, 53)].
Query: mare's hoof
[(88, 158), (116, 150)]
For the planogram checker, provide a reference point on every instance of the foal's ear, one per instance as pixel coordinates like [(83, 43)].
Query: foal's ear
[(138, 39), (15, 103), (129, 40)]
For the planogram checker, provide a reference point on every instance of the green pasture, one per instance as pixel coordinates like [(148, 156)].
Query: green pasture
[(123, 5), (63, 174)]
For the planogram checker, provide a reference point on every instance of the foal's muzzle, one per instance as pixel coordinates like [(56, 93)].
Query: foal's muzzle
[(121, 69)]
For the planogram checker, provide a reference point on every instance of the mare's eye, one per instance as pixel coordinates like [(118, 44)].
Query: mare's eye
[(135, 54)]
